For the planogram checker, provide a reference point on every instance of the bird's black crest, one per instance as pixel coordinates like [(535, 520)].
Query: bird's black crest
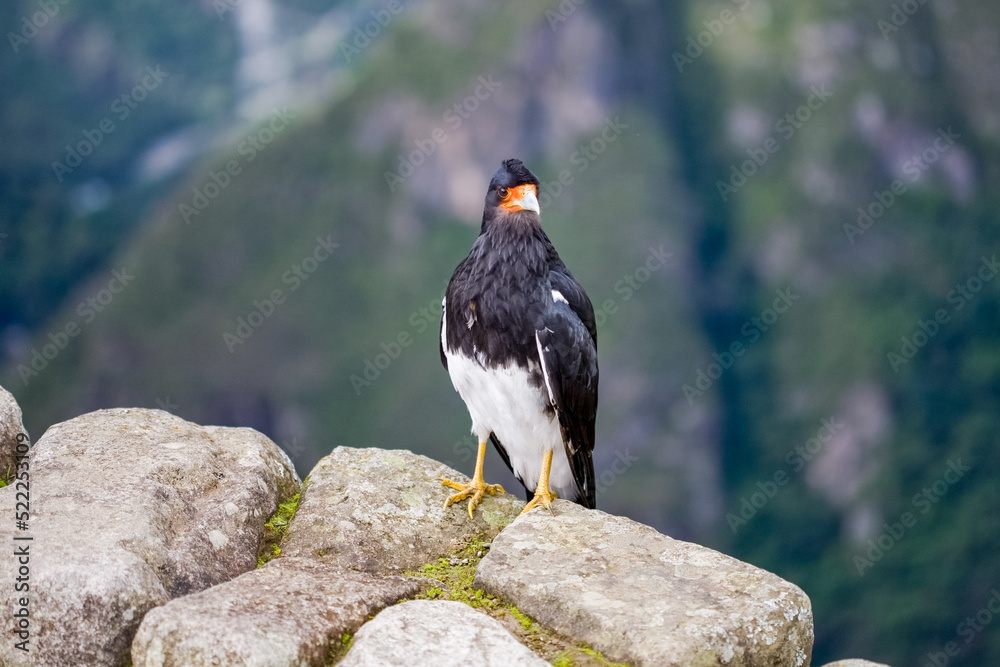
[(512, 173)]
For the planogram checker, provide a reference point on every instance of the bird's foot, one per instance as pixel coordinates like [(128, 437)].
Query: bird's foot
[(476, 488), (542, 497)]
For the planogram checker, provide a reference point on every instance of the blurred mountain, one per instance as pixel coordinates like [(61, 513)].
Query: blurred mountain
[(784, 214)]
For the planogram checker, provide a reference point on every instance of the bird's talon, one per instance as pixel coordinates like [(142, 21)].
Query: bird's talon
[(454, 485), (475, 489), (543, 498)]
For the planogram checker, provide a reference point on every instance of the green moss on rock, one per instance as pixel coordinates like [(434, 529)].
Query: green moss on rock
[(339, 648), (453, 577), (274, 530)]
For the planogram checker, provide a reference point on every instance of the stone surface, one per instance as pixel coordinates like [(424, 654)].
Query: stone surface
[(382, 511), (854, 662), (131, 508), (286, 613), (437, 633), (10, 427), (644, 598)]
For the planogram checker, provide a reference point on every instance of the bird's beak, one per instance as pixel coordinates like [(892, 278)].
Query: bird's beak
[(522, 198)]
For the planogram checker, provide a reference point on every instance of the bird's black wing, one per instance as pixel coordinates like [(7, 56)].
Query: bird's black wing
[(567, 349), (564, 282)]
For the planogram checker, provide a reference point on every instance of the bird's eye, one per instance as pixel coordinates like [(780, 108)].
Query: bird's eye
[(503, 192)]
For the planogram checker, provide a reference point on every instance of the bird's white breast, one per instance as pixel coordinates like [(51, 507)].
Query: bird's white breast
[(503, 401)]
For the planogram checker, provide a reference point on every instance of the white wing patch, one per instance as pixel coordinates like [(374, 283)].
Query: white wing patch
[(557, 296), (545, 369), (444, 326)]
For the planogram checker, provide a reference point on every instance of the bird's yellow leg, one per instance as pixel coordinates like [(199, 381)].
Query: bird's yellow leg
[(476, 488), (543, 496)]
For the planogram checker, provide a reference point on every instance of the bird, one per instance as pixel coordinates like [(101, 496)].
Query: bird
[(519, 341)]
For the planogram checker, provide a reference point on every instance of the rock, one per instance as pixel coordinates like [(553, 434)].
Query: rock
[(854, 662), (437, 633), (131, 508), (286, 613), (382, 511), (644, 598), (11, 427)]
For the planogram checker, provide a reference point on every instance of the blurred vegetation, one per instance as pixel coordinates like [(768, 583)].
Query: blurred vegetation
[(64, 81), (693, 117)]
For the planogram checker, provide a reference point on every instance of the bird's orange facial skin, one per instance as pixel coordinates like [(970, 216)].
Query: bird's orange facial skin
[(515, 196)]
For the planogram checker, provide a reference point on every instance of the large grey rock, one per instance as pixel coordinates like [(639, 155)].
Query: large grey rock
[(286, 613), (854, 662), (131, 508), (11, 427), (437, 633), (382, 511), (644, 598)]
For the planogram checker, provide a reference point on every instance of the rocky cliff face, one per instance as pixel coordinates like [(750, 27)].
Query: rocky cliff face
[(157, 541)]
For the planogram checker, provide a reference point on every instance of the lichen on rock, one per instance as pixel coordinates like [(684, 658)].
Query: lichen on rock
[(382, 511)]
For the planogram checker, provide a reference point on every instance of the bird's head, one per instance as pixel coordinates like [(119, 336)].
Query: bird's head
[(513, 190)]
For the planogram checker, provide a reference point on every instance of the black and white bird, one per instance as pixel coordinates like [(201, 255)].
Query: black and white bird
[(519, 340)]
